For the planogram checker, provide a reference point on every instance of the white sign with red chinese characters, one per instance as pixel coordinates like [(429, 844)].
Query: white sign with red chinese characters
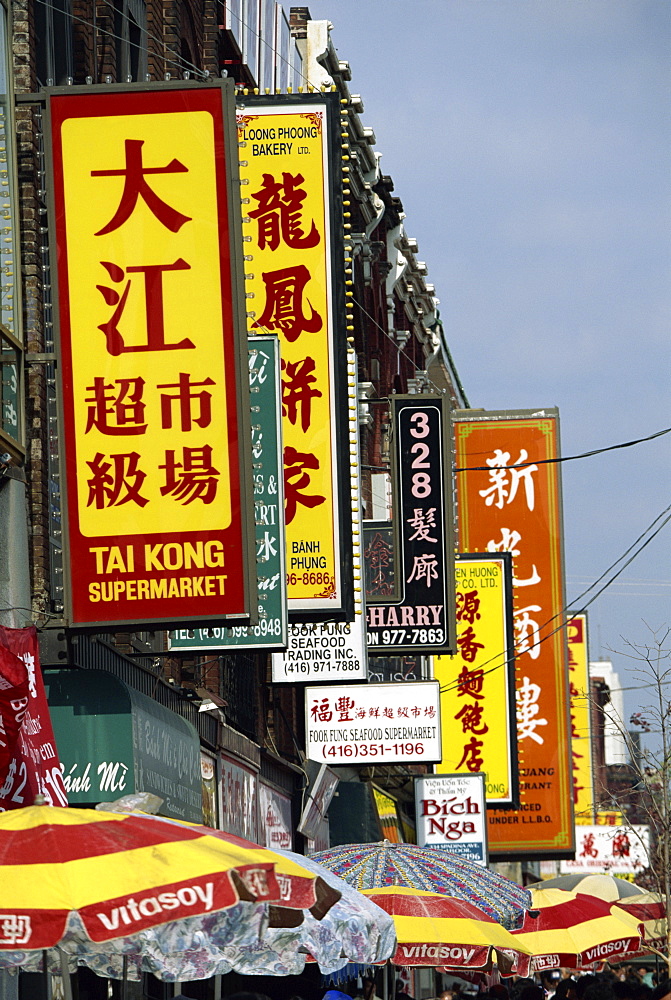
[(451, 814), (618, 850), (376, 723)]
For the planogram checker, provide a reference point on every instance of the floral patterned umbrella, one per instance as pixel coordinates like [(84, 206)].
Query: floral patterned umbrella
[(372, 866), (126, 894)]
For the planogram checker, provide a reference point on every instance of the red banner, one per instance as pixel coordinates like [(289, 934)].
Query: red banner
[(13, 704), (29, 763)]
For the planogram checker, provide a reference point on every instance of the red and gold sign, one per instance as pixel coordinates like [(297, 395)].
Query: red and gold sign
[(509, 497), (284, 166), (581, 733), (150, 369)]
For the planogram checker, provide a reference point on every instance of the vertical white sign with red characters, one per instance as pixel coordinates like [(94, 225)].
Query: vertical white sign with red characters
[(32, 766)]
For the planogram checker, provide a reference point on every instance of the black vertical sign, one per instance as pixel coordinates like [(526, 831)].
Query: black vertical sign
[(420, 618)]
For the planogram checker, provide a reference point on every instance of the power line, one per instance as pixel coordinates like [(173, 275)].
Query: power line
[(399, 349), (570, 607), (571, 458)]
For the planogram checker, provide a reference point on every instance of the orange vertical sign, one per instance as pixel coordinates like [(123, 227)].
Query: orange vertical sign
[(509, 499)]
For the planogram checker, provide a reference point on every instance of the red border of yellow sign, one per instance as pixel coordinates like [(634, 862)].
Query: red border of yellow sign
[(147, 236), (509, 498), (292, 222)]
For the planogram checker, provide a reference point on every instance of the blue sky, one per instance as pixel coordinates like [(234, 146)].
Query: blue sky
[(529, 141)]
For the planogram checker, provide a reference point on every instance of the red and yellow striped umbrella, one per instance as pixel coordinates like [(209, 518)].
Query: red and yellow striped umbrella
[(121, 874), (650, 907), (573, 929), (438, 930)]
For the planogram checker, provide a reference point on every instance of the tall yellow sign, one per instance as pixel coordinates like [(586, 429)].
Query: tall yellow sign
[(284, 168), (581, 732), (477, 703)]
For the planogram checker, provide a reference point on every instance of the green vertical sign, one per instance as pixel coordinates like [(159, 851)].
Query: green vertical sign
[(271, 631)]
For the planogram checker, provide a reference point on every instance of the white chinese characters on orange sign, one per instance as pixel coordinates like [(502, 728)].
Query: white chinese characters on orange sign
[(509, 500)]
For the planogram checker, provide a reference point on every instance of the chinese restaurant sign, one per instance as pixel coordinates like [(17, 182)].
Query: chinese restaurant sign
[(373, 723), (451, 814), (477, 686), (581, 730), (155, 407), (509, 500), (271, 630), (421, 617), (617, 850), (293, 245), (332, 651)]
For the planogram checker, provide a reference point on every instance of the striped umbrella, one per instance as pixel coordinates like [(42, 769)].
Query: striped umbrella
[(602, 885), (573, 929), (121, 874), (373, 866), (126, 894), (649, 907), (441, 931)]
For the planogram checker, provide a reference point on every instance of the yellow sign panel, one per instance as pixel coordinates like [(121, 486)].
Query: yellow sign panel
[(151, 389), (284, 170), (611, 817), (388, 815), (154, 410), (476, 702), (581, 732)]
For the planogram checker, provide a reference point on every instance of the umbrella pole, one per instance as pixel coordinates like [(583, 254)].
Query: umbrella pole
[(47, 975), (65, 975), (124, 978)]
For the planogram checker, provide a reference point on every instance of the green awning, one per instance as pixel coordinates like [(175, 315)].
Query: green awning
[(112, 740)]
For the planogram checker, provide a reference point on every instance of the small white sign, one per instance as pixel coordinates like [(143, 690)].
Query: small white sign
[(323, 651), (619, 850), (451, 814), (332, 651), (374, 723)]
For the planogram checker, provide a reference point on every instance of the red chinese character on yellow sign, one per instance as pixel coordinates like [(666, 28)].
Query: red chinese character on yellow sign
[(279, 214), (283, 310), (135, 186)]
